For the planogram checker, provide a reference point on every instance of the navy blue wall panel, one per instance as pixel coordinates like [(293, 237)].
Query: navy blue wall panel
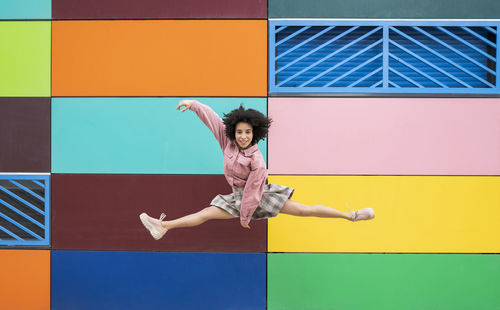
[(157, 280)]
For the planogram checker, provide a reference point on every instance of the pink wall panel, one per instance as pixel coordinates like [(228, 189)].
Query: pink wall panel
[(407, 136)]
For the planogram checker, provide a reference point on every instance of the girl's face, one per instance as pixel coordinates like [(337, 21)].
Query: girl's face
[(244, 135)]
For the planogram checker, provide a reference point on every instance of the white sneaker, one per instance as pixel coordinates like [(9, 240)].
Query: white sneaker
[(361, 215), (154, 225)]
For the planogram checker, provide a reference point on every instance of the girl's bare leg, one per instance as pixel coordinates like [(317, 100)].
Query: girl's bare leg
[(200, 217), (294, 208)]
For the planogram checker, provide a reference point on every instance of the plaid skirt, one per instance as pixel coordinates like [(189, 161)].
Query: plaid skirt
[(273, 199)]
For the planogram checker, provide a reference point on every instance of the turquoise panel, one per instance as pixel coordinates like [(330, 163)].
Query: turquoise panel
[(138, 135), (25, 9)]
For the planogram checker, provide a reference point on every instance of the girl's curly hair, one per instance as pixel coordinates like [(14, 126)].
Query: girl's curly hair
[(260, 123)]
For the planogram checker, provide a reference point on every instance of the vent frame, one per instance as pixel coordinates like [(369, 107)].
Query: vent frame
[(26, 223), (486, 82)]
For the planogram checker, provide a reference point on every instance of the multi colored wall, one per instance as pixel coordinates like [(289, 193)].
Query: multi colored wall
[(389, 104)]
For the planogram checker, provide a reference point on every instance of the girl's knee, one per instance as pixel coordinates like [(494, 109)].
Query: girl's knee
[(295, 208), (202, 214), (303, 210)]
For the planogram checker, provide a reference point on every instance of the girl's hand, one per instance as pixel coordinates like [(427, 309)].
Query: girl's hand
[(245, 225), (186, 104)]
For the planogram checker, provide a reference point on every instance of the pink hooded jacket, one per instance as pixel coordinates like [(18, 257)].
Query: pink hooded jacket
[(241, 167)]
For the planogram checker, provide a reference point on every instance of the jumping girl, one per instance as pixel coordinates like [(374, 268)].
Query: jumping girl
[(245, 171)]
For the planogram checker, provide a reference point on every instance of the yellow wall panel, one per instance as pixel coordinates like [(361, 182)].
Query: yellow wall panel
[(416, 214)]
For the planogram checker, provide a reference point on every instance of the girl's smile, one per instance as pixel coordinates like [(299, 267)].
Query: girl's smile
[(244, 135)]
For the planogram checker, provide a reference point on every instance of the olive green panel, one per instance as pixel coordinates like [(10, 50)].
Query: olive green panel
[(383, 281), (425, 9)]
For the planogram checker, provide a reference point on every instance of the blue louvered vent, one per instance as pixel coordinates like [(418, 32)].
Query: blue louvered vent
[(384, 57), (24, 210)]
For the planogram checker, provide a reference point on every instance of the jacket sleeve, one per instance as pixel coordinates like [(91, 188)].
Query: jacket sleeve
[(212, 121), (252, 194)]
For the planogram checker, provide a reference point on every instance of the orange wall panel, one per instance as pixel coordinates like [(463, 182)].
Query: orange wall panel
[(159, 58), (25, 279)]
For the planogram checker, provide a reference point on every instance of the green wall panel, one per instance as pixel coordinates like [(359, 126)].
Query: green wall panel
[(25, 59), (137, 135), (383, 281), (426, 9)]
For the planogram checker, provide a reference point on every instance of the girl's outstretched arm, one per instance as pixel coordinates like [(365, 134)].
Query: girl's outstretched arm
[(208, 117)]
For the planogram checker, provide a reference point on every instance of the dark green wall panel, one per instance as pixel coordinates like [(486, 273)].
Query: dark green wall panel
[(383, 281), (426, 9)]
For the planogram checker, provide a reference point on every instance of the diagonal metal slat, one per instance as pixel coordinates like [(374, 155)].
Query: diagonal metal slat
[(10, 233), (22, 214), (28, 190), (342, 62), (394, 84), (429, 63), (39, 183), (405, 77), (18, 225), (454, 36), (456, 51), (279, 29), (365, 77), (292, 35), (331, 55), (459, 53), (304, 42), (21, 200), (417, 70), (429, 49), (490, 29), (317, 48), (354, 69), (480, 37)]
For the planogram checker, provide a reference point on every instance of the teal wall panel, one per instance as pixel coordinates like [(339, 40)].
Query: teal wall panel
[(383, 281), (25, 9), (422, 9), (137, 135)]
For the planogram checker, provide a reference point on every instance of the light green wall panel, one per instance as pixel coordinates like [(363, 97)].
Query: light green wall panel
[(383, 281), (138, 135), (25, 58), (25, 9)]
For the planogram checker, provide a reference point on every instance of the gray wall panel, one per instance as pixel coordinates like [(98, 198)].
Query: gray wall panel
[(425, 9)]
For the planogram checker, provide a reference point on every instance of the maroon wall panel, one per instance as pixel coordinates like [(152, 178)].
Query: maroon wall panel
[(24, 134), (158, 9), (101, 212)]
